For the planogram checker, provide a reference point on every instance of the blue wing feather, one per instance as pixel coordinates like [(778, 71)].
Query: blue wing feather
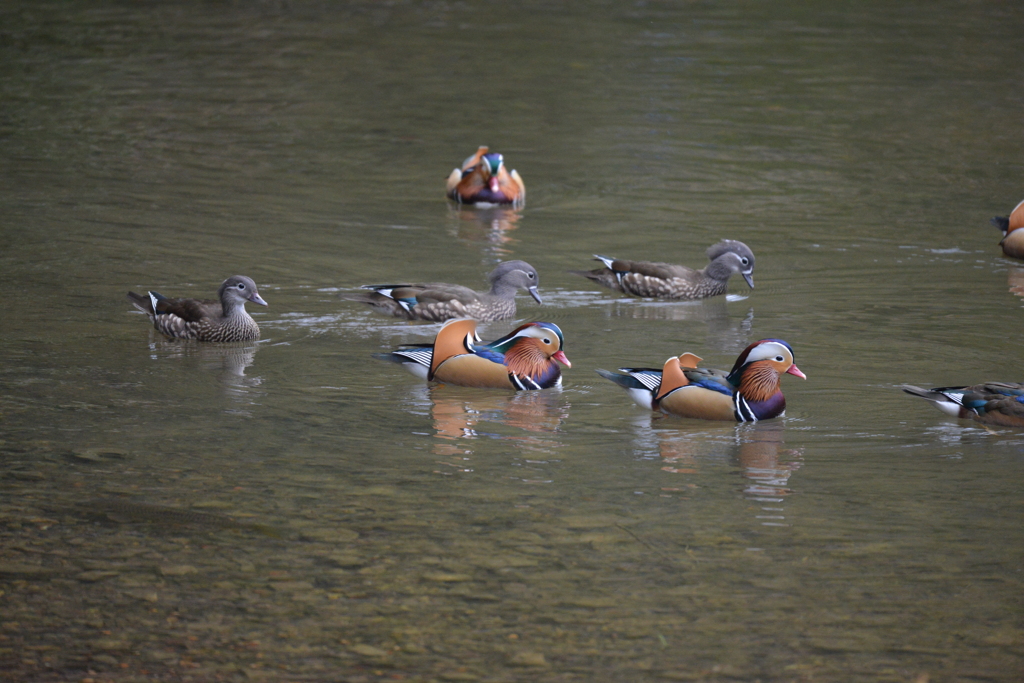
[(489, 354)]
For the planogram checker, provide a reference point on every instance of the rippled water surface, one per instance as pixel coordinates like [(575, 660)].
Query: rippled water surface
[(295, 510)]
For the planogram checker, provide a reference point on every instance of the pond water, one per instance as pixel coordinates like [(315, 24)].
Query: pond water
[(294, 510)]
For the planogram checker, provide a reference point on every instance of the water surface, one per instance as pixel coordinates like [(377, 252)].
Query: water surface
[(295, 510)]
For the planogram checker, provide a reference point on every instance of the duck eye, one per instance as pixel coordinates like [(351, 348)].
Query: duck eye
[(779, 358), (744, 260), (530, 275), (241, 285), (546, 340)]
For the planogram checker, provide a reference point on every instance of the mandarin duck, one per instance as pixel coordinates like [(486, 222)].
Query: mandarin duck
[(202, 319), (666, 281), (526, 358), (1013, 241), (994, 403), (748, 393), (484, 181), (439, 301)]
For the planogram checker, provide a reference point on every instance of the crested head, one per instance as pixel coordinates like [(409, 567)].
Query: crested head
[(534, 351), (728, 257), (493, 163), (512, 275), (237, 290), (777, 354), (756, 377), (538, 341), (726, 246)]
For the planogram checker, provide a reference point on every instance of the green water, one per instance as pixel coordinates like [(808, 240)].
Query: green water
[(296, 511)]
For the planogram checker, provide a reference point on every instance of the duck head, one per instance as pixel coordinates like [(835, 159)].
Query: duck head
[(532, 348), (238, 289)]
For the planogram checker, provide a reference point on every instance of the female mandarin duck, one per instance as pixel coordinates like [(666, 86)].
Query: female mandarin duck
[(1013, 241), (994, 403), (439, 301), (484, 181), (748, 393), (202, 319), (524, 359), (666, 281)]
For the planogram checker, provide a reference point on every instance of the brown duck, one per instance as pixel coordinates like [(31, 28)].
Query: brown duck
[(750, 392), (994, 403), (225, 320), (525, 359), (441, 301), (484, 180), (1013, 238), (667, 281)]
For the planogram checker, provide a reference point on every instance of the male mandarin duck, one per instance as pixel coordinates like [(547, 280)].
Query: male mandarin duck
[(484, 181), (748, 393), (666, 281), (526, 358), (202, 319), (439, 301), (994, 403), (1013, 241)]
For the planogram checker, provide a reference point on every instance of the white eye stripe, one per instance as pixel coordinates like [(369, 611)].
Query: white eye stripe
[(769, 351)]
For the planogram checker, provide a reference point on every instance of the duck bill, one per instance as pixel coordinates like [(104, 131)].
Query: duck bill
[(794, 370), (535, 295), (749, 277), (560, 357), (257, 299), (493, 183)]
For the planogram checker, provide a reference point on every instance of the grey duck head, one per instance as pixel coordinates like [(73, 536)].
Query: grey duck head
[(512, 275), (236, 290), (728, 257)]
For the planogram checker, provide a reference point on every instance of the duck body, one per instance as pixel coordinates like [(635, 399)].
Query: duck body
[(525, 359), (994, 403), (668, 281), (1013, 237), (441, 301), (750, 392), (484, 181), (224, 320)]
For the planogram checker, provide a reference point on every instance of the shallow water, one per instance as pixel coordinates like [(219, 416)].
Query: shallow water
[(295, 510)]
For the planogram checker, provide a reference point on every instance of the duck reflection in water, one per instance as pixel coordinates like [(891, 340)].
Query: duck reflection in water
[(487, 227), (713, 312), (1015, 279), (526, 420), (758, 448), (229, 360)]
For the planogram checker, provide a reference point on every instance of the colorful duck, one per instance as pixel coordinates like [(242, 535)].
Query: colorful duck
[(1013, 241), (994, 403), (225, 320), (748, 393), (440, 301), (667, 281), (524, 359), (484, 181)]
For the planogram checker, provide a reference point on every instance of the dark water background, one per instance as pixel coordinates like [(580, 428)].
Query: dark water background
[(294, 510)]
